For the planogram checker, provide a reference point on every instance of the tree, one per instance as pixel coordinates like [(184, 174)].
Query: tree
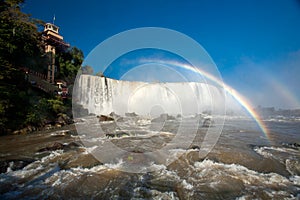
[(87, 70), (69, 62), (20, 42), (100, 74), (20, 46)]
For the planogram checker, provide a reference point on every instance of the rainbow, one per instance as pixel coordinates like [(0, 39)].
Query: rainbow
[(238, 97)]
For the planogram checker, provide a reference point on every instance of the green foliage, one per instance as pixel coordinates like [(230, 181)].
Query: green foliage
[(20, 41), (69, 63), (87, 70), (45, 110), (100, 74), (21, 45), (56, 106)]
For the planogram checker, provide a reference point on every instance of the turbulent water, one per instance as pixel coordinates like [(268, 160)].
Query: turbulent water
[(244, 164), (150, 157)]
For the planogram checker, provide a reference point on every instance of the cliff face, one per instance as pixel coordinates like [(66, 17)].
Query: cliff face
[(102, 95)]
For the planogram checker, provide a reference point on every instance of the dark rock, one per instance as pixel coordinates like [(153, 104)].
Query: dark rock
[(104, 118), (72, 145), (55, 146), (48, 127), (79, 111), (120, 119), (195, 147), (207, 123), (14, 164), (59, 146), (63, 119), (133, 114), (81, 160), (116, 134), (295, 146), (114, 115)]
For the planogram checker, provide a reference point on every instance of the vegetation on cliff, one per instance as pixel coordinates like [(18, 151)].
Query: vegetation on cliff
[(21, 46)]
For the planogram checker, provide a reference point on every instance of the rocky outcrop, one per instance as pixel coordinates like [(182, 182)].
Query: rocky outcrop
[(63, 119), (59, 146), (117, 134), (25, 130), (104, 118), (14, 164), (133, 114), (207, 123)]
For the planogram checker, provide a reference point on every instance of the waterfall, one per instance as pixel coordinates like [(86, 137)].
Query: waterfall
[(101, 95)]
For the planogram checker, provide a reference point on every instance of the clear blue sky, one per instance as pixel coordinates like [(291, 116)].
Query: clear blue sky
[(255, 43)]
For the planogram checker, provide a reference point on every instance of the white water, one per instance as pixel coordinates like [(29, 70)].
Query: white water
[(102, 95)]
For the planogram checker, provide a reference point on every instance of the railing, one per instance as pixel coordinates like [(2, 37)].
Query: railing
[(39, 80)]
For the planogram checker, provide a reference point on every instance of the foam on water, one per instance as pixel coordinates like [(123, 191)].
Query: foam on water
[(89, 150), (117, 165), (197, 177), (250, 178)]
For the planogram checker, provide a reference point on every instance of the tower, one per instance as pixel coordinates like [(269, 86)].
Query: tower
[(53, 44)]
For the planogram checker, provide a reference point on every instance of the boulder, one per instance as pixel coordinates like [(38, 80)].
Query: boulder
[(207, 123), (133, 114), (114, 115), (59, 146), (116, 134), (14, 164), (104, 118), (195, 147), (72, 145), (53, 147)]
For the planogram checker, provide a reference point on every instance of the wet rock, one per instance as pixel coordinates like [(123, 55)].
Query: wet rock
[(133, 114), (72, 145), (179, 116), (59, 146), (61, 133), (78, 120), (48, 127), (14, 164), (81, 160), (195, 147), (53, 147), (104, 118), (79, 111), (295, 146), (250, 160), (293, 166), (120, 119), (114, 115), (63, 119), (116, 134), (207, 123), (25, 130)]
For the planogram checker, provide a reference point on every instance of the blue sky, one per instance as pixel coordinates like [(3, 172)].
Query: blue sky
[(254, 43)]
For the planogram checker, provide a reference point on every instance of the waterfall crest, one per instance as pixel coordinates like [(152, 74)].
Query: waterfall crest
[(101, 95)]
